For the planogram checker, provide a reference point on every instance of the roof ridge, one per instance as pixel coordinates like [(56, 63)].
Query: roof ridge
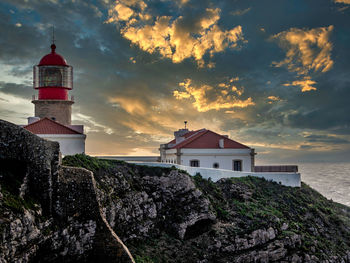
[(191, 138), (55, 122)]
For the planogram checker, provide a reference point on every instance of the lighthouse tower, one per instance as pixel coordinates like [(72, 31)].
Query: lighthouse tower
[(53, 78)]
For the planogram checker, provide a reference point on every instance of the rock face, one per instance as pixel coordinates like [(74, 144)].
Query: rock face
[(164, 215), (49, 212), (32, 160), (54, 213), (138, 206)]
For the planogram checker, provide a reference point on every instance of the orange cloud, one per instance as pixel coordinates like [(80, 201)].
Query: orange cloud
[(273, 98), (206, 97), (342, 1), (167, 35), (307, 51), (306, 84)]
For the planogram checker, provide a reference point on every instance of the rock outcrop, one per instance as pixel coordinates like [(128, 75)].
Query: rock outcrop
[(164, 215), (49, 212), (139, 205)]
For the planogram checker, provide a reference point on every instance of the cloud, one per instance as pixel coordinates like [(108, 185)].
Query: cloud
[(15, 108), (273, 99), (307, 52), (306, 84), (326, 139), (177, 38), (91, 125), (342, 1), (206, 97), (240, 12)]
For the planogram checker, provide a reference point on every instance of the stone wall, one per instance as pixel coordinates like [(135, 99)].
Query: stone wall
[(61, 110)]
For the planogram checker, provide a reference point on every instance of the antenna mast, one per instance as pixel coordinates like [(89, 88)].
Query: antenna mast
[(53, 34)]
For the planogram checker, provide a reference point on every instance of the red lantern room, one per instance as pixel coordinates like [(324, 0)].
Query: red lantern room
[(53, 77)]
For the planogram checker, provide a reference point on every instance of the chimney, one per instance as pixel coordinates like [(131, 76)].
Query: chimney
[(179, 135), (221, 143), (32, 119)]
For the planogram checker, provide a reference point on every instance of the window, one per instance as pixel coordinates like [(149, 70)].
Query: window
[(194, 163), (216, 165), (237, 165)]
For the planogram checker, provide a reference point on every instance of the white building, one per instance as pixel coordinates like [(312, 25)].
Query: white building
[(205, 148), (71, 138)]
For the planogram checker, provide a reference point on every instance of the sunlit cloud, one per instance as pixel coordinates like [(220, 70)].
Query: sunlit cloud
[(307, 51), (91, 125), (169, 37), (342, 1), (146, 116), (206, 97), (306, 84), (272, 99)]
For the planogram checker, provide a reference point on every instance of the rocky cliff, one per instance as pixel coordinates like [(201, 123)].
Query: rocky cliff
[(164, 215), (90, 210)]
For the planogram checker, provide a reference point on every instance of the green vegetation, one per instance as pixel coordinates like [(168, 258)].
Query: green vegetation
[(91, 163), (16, 203), (12, 174), (322, 223), (146, 259), (215, 196)]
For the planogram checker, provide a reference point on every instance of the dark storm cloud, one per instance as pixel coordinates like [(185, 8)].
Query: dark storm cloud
[(18, 89), (123, 89)]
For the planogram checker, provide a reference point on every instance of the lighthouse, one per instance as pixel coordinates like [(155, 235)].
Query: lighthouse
[(53, 79)]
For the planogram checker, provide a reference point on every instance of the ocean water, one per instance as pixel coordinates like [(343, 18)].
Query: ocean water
[(330, 179)]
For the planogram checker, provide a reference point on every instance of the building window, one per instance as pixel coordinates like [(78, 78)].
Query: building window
[(237, 165), (194, 163), (216, 165)]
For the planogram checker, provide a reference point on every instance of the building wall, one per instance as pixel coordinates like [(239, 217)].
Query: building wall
[(131, 158), (61, 110), (225, 162), (287, 179), (69, 143), (207, 157)]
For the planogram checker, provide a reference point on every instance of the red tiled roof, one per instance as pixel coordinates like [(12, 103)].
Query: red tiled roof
[(206, 139), (47, 126)]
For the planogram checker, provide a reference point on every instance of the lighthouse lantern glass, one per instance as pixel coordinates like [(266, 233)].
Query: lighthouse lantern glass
[(53, 76)]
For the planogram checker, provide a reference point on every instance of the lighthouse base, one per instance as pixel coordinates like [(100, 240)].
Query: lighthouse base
[(58, 110)]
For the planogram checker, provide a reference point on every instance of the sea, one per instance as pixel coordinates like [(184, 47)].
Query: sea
[(330, 179)]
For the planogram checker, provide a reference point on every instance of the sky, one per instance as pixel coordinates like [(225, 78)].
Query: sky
[(271, 74)]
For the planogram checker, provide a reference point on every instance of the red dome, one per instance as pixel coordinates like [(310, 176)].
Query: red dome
[(53, 59)]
